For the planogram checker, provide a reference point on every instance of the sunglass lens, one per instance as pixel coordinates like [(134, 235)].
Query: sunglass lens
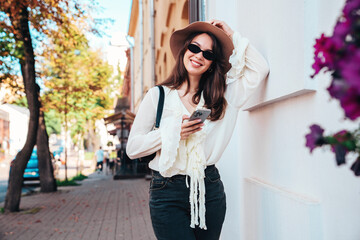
[(209, 55), (193, 48)]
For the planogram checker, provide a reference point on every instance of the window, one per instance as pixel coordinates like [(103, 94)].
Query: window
[(197, 10)]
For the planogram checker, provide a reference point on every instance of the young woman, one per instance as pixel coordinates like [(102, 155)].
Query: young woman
[(215, 69)]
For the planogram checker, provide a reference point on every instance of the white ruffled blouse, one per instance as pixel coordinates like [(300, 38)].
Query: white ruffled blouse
[(190, 157)]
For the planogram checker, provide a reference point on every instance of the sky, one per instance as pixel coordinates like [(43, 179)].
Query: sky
[(119, 11)]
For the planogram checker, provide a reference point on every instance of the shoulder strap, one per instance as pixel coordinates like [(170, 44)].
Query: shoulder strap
[(160, 106)]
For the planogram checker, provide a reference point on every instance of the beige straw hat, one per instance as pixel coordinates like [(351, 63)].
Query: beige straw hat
[(178, 38)]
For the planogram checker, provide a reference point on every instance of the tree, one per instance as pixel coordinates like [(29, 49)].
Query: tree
[(46, 171), (19, 18), (15, 38), (79, 79)]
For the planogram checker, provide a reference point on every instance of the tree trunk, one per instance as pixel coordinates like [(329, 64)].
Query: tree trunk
[(91, 141), (21, 25), (46, 171)]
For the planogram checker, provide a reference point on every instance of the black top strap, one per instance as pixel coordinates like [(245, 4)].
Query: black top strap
[(160, 107)]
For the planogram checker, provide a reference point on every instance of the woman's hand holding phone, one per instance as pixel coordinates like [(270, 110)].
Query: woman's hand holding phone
[(189, 127)]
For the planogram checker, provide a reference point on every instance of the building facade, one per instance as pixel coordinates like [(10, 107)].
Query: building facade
[(151, 30), (276, 189), (17, 126), (4, 133)]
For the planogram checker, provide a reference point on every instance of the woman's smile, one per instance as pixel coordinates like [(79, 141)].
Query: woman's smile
[(195, 63)]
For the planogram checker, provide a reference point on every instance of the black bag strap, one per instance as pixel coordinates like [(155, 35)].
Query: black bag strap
[(160, 107)]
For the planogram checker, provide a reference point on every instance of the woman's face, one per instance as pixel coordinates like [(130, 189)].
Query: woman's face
[(195, 63)]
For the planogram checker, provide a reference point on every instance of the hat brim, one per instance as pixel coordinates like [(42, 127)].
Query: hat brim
[(178, 38)]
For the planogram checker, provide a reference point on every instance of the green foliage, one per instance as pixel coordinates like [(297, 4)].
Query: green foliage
[(75, 80), (53, 122), (66, 183), (10, 52), (79, 177), (89, 155), (22, 102), (78, 82), (32, 210), (71, 181)]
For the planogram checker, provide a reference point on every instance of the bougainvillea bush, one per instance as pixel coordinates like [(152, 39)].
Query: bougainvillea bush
[(339, 54)]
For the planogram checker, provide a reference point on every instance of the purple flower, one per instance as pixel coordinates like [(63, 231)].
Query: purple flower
[(338, 88), (340, 153), (341, 30), (345, 139), (326, 50), (348, 96), (351, 103), (340, 54), (349, 67), (315, 138), (341, 143), (356, 167), (350, 9)]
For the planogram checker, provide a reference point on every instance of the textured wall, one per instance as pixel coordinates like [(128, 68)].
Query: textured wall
[(268, 142)]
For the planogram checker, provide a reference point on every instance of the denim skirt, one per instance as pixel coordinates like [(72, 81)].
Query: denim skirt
[(170, 207)]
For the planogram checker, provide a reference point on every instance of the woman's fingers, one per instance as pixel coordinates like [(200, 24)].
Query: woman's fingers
[(190, 127), (191, 123), (222, 25), (185, 117), (185, 135)]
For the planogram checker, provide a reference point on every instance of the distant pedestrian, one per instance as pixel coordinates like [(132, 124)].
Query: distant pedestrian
[(216, 69), (107, 160), (99, 159), (112, 161)]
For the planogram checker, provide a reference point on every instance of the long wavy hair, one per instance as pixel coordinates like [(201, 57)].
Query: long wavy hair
[(212, 82)]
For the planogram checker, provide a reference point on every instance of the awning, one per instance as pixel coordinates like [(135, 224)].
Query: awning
[(128, 117)]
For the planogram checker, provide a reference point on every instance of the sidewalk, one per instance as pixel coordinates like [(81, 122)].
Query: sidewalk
[(100, 208)]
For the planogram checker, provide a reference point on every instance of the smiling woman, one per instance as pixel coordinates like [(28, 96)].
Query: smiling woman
[(208, 74)]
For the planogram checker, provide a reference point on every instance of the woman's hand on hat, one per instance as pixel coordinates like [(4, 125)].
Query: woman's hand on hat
[(223, 26), (189, 127)]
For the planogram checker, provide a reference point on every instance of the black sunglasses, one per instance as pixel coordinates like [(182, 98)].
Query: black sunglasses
[(209, 55)]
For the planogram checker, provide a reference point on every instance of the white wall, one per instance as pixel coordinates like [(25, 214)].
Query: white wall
[(275, 188), (19, 123)]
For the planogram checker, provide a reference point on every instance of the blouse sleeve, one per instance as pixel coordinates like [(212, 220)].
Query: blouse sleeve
[(142, 140), (248, 69)]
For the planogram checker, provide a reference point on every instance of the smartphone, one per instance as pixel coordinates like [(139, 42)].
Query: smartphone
[(200, 114)]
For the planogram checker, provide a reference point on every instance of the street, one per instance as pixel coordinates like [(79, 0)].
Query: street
[(99, 208), (30, 186)]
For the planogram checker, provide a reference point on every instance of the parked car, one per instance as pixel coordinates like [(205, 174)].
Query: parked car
[(31, 171), (32, 168)]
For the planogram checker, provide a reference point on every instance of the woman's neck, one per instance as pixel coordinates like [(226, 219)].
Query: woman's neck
[(194, 85)]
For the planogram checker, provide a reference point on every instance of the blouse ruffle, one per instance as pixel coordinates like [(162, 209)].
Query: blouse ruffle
[(237, 59)]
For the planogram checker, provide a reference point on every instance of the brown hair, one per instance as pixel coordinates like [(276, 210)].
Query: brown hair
[(212, 83)]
